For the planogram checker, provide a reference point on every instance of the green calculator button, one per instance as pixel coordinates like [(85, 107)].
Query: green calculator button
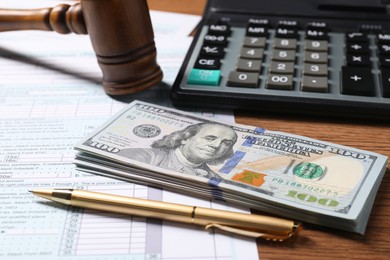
[(204, 77)]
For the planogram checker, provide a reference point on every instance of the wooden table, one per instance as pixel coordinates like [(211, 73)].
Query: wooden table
[(319, 242)]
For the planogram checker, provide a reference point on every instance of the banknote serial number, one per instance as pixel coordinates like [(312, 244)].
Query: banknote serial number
[(304, 186)]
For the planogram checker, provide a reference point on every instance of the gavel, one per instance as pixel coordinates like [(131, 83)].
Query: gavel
[(121, 34)]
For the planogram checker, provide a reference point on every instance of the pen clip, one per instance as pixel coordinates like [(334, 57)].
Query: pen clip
[(248, 233)]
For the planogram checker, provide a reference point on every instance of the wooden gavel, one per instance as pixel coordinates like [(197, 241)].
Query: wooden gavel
[(120, 31)]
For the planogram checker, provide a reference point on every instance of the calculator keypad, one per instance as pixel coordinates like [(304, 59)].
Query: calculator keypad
[(288, 57)]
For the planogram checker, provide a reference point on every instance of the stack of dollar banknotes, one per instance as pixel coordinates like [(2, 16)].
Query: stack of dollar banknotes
[(287, 175)]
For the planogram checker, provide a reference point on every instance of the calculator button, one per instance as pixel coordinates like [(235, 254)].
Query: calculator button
[(283, 82), (315, 34), (357, 81), (215, 39), (355, 47), (208, 63), (251, 53), (315, 69), (249, 65), (254, 42), (385, 78), (358, 60), (315, 57), (314, 84), (257, 31), (219, 29), (285, 32), (212, 51), (281, 43), (283, 55), (311, 45), (243, 79), (278, 67), (384, 49), (384, 61), (356, 37), (204, 77), (383, 38)]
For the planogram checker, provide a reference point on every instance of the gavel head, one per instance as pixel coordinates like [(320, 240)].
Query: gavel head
[(122, 38)]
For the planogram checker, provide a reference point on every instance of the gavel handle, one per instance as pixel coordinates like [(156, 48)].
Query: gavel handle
[(62, 18)]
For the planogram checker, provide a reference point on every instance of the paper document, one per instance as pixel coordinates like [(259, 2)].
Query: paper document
[(50, 98)]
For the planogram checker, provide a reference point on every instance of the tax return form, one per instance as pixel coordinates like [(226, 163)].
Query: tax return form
[(50, 97)]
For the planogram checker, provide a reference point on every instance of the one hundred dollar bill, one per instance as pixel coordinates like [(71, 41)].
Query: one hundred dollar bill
[(284, 174)]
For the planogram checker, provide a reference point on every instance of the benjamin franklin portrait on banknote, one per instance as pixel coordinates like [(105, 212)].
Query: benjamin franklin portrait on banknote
[(189, 150)]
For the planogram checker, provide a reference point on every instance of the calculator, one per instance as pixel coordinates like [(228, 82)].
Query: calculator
[(329, 57)]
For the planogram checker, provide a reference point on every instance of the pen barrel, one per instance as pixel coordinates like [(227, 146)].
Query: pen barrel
[(243, 221), (132, 206), (180, 213)]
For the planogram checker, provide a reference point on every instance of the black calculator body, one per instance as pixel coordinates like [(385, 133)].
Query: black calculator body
[(329, 57)]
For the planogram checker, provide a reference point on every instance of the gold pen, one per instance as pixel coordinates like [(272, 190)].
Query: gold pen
[(252, 225)]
